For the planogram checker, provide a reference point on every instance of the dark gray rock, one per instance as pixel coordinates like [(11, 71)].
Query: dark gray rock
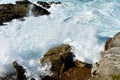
[(10, 11)]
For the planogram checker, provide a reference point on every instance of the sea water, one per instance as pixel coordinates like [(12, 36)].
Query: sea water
[(83, 24)]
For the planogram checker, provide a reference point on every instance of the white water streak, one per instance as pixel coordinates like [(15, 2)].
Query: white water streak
[(71, 23)]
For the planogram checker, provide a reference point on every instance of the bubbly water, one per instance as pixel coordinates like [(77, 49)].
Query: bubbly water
[(83, 24)]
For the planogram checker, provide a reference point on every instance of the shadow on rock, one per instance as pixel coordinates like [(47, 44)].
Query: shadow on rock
[(63, 65)]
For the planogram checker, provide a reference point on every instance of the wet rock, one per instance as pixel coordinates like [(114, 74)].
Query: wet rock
[(6, 78), (47, 4), (54, 2), (61, 59), (108, 68), (23, 2), (63, 65), (20, 71), (19, 10), (11, 11), (44, 4), (32, 79), (48, 78), (36, 10)]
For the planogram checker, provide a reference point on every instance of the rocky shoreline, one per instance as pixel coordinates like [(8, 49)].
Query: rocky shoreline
[(108, 68), (63, 65)]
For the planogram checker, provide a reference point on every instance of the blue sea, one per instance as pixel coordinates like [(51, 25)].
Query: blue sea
[(83, 24)]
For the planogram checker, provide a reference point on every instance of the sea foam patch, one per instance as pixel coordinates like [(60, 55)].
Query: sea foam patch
[(71, 23)]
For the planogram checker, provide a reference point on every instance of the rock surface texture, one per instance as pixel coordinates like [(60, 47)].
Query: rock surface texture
[(109, 66), (47, 4), (63, 65), (19, 10)]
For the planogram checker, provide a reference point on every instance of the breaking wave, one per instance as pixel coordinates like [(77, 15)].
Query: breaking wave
[(83, 24)]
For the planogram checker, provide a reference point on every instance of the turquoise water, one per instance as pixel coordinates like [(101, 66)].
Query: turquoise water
[(83, 24)]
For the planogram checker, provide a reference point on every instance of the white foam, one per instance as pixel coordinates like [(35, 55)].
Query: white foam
[(69, 23)]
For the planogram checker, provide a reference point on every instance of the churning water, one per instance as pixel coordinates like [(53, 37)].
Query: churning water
[(84, 24)]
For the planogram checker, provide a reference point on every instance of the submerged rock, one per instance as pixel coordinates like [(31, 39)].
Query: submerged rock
[(108, 68), (19, 10), (63, 65)]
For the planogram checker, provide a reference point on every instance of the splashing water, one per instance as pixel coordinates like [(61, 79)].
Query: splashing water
[(83, 24)]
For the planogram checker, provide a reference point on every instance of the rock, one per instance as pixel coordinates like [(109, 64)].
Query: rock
[(37, 10), (77, 74), (44, 4), (20, 71), (80, 71), (48, 78), (19, 10), (113, 42), (108, 44), (47, 5), (11, 11), (54, 2), (63, 65), (5, 78), (23, 2), (61, 59), (32, 79), (108, 68)]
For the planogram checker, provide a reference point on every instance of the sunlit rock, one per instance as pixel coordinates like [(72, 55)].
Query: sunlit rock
[(63, 65), (108, 68)]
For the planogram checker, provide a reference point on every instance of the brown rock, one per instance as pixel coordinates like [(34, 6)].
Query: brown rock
[(77, 74), (48, 78), (61, 59), (19, 10), (63, 66), (108, 44), (20, 71)]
